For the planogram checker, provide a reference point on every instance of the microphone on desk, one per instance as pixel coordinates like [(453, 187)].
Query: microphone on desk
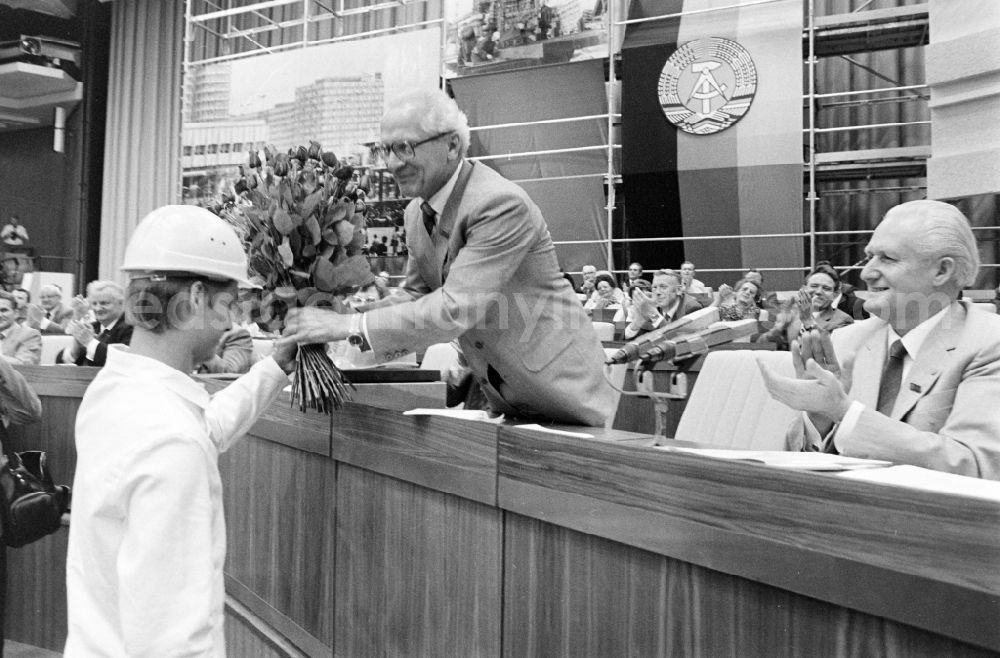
[(634, 349), (698, 342)]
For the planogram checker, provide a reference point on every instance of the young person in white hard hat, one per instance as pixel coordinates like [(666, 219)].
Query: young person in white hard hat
[(147, 541)]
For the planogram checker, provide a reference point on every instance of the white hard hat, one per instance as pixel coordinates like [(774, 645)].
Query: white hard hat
[(186, 239)]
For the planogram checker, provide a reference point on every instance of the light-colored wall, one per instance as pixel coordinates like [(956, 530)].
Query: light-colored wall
[(963, 73)]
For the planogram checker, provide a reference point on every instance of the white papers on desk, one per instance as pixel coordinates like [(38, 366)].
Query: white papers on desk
[(924, 479), (805, 461), (550, 430), (463, 414)]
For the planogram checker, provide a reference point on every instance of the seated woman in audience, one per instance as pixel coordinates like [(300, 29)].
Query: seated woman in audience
[(740, 301), (813, 308), (606, 295)]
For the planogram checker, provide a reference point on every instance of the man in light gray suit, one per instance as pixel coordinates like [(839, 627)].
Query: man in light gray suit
[(483, 269), (919, 382)]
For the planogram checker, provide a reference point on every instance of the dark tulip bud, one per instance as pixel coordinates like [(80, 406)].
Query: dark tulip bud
[(315, 150), (269, 153), (254, 160), (302, 153), (344, 173), (330, 160), (281, 165), (252, 182), (241, 186), (241, 171)]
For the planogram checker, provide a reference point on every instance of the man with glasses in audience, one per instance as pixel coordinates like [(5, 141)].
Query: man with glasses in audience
[(666, 304), (50, 316), (917, 382), (483, 269), (589, 285)]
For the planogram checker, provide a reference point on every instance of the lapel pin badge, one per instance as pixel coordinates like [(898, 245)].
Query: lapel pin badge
[(915, 387)]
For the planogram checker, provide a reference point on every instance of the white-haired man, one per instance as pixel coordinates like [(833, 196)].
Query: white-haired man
[(918, 382), (106, 300), (50, 316), (148, 538), (665, 303), (483, 269)]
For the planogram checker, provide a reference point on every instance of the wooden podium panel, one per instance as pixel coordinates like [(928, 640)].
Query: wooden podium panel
[(375, 533)]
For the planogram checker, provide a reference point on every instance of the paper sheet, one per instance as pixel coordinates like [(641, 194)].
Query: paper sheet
[(463, 414), (806, 461), (542, 428), (914, 477)]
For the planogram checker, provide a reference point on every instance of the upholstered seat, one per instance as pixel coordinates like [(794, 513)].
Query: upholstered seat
[(730, 407)]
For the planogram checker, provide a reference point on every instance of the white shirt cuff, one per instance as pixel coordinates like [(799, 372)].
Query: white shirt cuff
[(848, 422), (92, 348), (44, 324)]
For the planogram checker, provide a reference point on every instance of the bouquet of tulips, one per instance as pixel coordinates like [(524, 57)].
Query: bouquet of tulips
[(300, 216)]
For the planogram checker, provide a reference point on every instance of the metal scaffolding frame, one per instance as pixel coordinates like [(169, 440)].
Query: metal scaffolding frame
[(864, 29)]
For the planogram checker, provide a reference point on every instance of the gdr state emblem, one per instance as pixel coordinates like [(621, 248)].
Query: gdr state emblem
[(707, 85)]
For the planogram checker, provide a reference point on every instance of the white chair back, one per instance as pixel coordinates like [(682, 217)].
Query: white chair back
[(604, 330), (51, 346), (729, 405)]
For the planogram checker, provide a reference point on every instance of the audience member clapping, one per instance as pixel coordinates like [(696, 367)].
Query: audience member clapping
[(589, 274), (106, 301), (19, 344), (740, 301), (812, 309), (664, 303), (607, 295), (49, 316)]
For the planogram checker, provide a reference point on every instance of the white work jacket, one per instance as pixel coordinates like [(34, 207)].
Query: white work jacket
[(147, 537)]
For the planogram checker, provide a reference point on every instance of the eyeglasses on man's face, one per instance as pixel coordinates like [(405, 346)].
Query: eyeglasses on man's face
[(406, 150)]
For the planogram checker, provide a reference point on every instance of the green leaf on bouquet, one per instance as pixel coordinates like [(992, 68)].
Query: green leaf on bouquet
[(345, 232), (285, 251), (353, 272), (283, 221), (312, 226), (324, 275)]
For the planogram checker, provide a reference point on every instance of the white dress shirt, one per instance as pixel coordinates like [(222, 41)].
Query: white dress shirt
[(148, 538), (912, 341)]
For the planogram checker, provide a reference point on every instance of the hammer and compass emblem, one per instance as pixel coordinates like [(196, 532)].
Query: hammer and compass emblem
[(707, 85)]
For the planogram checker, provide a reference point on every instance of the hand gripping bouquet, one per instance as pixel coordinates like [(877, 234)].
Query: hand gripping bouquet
[(300, 216)]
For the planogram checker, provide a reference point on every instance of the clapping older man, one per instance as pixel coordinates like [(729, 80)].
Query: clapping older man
[(918, 383)]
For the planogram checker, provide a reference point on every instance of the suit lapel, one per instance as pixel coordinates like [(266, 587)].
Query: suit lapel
[(928, 364), (868, 367), (446, 223)]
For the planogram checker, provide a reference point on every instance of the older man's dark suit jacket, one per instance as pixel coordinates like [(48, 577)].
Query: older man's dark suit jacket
[(489, 276), (120, 333)]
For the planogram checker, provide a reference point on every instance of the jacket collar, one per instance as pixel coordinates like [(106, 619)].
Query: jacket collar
[(937, 349), (123, 362)]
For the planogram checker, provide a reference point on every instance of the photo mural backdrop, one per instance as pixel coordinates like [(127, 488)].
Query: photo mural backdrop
[(332, 93)]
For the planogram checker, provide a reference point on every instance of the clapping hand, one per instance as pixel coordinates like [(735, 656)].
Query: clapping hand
[(725, 292), (80, 307), (644, 306), (821, 382), (35, 314), (80, 331)]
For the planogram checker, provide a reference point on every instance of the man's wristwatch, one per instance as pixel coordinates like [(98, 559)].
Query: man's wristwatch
[(356, 337)]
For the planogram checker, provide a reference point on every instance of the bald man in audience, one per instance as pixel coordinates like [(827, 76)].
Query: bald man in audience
[(918, 382), (106, 300), (50, 316), (20, 345)]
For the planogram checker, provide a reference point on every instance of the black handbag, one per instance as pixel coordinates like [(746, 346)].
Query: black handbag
[(31, 506)]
